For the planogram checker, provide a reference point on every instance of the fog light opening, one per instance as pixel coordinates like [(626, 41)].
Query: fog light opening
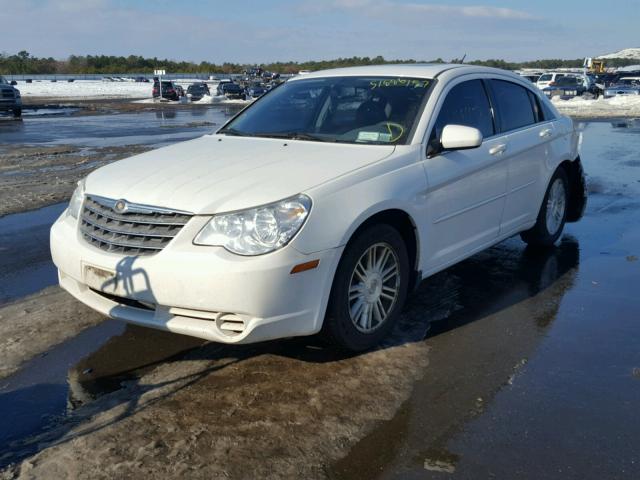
[(230, 324)]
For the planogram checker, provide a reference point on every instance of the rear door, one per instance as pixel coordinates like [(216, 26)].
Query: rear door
[(529, 137), (467, 188)]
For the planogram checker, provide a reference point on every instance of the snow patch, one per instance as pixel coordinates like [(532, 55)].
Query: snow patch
[(624, 53), (85, 89), (620, 106)]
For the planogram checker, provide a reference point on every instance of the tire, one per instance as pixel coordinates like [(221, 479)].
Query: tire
[(17, 112), (548, 228), (372, 297)]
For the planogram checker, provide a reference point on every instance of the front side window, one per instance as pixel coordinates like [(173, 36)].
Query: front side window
[(466, 104), (544, 78), (362, 109), (513, 105)]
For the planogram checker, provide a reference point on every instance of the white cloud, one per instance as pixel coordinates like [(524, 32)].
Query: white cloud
[(386, 7)]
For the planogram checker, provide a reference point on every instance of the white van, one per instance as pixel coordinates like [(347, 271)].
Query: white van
[(547, 79)]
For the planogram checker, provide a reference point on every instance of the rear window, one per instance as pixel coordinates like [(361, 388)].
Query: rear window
[(567, 81), (513, 105)]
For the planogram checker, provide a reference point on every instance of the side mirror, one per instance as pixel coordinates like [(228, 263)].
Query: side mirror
[(460, 137)]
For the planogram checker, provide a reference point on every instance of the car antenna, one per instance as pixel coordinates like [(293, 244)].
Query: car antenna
[(463, 57)]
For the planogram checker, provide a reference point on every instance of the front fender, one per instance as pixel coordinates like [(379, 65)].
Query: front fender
[(340, 207)]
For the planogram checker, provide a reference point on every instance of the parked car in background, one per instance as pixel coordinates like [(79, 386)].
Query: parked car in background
[(198, 90), (255, 91), (547, 79), (530, 77), (320, 207), (169, 90), (179, 90), (142, 79), (623, 87), (230, 90), (566, 88), (10, 99), (603, 80)]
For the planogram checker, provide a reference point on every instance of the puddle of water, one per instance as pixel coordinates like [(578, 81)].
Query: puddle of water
[(143, 127), (25, 260), (97, 361), (36, 396), (610, 154), (48, 111)]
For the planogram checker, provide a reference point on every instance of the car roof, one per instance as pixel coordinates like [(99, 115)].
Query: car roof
[(416, 70)]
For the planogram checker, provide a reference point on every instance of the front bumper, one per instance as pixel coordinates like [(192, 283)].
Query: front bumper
[(195, 290), (10, 104)]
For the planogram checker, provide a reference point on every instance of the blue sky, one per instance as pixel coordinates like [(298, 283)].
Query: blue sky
[(269, 30)]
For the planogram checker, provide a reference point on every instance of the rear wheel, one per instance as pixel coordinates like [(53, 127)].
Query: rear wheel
[(553, 213), (17, 112), (369, 289)]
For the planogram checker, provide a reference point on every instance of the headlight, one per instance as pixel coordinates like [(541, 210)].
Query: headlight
[(258, 230), (75, 204)]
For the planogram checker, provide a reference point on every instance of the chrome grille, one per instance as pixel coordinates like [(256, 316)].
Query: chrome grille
[(135, 230)]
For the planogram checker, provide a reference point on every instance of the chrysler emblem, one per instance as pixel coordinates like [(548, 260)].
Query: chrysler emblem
[(120, 206)]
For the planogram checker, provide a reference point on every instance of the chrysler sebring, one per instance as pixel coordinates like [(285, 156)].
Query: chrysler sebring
[(319, 207)]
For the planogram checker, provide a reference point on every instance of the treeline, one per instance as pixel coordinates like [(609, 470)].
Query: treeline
[(23, 63)]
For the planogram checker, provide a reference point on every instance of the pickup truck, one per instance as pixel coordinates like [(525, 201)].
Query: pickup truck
[(10, 100)]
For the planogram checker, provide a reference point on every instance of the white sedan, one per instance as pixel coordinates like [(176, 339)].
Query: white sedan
[(319, 207)]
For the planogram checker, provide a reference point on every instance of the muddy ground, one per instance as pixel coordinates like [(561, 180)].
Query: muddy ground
[(513, 364), (38, 167), (26, 326), (35, 176)]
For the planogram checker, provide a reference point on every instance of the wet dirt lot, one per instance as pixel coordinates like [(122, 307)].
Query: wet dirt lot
[(531, 369), (43, 156)]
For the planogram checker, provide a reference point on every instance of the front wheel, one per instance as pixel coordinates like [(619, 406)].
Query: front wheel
[(552, 215), (17, 112), (369, 289)]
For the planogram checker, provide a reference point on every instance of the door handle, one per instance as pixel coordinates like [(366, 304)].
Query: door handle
[(545, 133), (498, 149)]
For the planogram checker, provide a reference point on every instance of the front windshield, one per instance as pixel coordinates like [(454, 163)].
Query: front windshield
[(373, 110), (3, 80)]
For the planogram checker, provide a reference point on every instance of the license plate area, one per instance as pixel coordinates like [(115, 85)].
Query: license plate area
[(103, 280)]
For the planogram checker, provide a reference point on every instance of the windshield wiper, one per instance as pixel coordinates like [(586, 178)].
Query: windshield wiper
[(294, 136), (234, 132)]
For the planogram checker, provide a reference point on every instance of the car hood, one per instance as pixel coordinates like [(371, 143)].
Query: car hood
[(218, 173)]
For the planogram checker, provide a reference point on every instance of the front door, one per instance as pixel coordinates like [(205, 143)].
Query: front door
[(467, 188)]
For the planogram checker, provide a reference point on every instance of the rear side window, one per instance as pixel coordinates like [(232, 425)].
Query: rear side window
[(513, 105), (547, 113), (466, 104)]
